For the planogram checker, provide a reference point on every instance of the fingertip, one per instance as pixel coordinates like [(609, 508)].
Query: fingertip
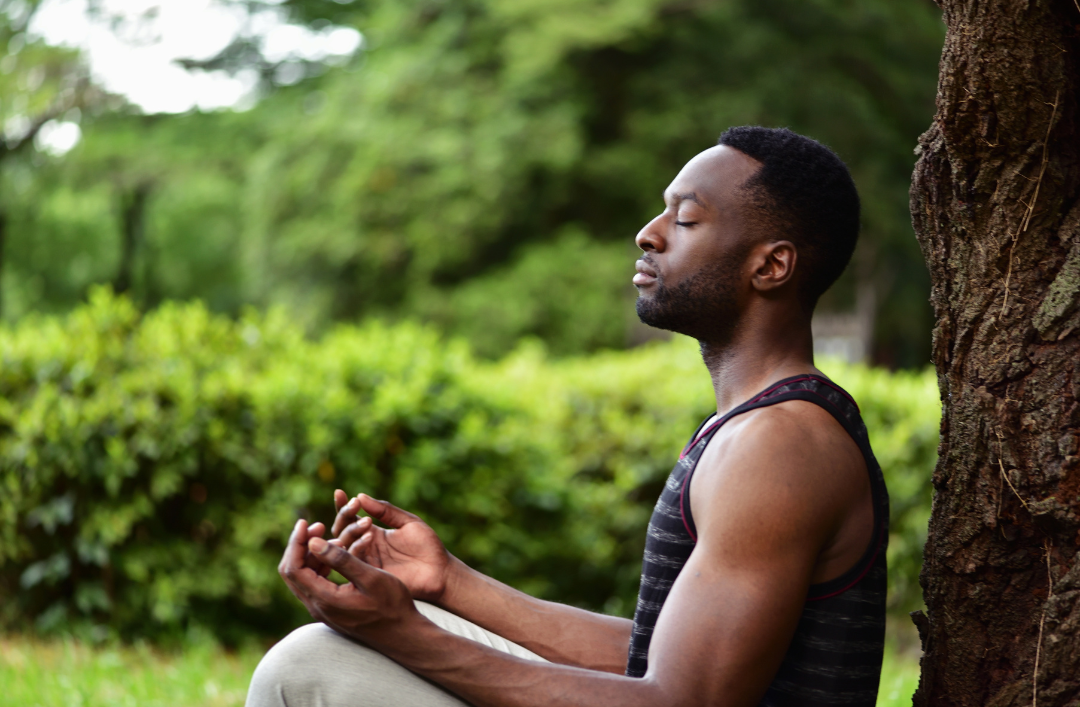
[(318, 546)]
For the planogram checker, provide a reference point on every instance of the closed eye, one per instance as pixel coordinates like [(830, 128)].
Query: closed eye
[(686, 224)]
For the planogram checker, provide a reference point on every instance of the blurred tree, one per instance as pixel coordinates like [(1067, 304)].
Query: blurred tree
[(38, 84), (133, 211), (165, 196), (480, 130), (484, 164)]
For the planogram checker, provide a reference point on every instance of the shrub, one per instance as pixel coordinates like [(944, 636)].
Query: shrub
[(152, 465)]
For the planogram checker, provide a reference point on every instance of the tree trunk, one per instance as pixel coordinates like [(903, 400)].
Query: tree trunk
[(3, 243), (996, 210), (133, 225)]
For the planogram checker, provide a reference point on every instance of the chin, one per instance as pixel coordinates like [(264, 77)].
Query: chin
[(651, 314)]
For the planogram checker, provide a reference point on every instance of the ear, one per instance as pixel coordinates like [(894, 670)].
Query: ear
[(774, 265)]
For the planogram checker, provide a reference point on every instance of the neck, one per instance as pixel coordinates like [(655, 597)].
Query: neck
[(756, 354)]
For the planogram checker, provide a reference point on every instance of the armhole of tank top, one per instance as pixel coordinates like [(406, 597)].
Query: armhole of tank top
[(694, 437), (838, 585), (851, 577), (684, 492), (684, 504)]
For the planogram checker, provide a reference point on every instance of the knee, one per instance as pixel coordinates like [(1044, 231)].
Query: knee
[(294, 667)]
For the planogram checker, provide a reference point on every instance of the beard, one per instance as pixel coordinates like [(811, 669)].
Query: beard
[(704, 307)]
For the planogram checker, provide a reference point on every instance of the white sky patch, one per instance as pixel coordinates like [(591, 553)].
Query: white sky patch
[(57, 137), (136, 58)]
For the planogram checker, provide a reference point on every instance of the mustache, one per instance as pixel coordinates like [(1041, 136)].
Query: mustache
[(647, 258)]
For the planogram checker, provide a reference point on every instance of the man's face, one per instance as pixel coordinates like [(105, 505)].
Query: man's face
[(690, 278)]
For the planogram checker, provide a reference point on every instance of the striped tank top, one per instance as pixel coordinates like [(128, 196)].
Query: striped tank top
[(835, 655)]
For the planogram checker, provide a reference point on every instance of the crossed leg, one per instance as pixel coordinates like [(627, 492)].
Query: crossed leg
[(314, 666)]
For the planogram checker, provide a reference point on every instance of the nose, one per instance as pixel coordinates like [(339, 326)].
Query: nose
[(651, 236)]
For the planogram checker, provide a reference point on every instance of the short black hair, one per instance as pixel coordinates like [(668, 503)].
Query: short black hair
[(805, 189)]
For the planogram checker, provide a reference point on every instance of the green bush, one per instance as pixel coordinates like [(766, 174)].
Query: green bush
[(152, 465)]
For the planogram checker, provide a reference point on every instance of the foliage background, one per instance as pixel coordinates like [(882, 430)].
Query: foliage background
[(406, 271), (151, 465), (480, 165)]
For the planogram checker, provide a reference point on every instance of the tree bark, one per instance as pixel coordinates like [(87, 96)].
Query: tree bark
[(995, 206)]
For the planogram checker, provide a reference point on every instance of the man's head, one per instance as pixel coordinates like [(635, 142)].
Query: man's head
[(765, 213)]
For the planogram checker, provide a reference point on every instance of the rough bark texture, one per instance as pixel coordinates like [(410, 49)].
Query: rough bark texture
[(996, 209)]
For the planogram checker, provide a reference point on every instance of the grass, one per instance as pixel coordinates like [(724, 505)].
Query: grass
[(67, 673), (899, 677)]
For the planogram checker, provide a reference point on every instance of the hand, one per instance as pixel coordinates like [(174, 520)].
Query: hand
[(370, 603), (409, 549)]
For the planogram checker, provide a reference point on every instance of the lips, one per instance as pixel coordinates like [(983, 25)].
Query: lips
[(646, 274)]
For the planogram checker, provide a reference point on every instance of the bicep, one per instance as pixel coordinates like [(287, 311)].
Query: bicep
[(733, 610), (725, 628)]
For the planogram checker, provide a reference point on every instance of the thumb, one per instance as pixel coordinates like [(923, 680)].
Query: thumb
[(386, 513), (358, 572)]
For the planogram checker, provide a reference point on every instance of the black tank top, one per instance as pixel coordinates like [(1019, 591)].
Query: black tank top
[(835, 655)]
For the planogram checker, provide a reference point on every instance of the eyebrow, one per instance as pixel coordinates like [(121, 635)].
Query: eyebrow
[(688, 196)]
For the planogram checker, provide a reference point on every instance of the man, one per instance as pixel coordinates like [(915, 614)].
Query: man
[(764, 573)]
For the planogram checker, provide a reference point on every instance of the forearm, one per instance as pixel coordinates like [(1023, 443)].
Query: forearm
[(560, 633), (485, 677)]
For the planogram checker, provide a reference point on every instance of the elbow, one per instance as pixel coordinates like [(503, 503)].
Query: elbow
[(655, 693)]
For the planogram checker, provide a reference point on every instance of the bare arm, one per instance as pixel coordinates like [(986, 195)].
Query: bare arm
[(410, 550), (562, 634), (764, 517)]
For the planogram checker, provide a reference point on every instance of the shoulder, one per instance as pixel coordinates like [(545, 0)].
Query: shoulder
[(788, 426), (789, 467)]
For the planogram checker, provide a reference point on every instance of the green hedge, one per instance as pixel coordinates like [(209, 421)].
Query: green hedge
[(152, 465)]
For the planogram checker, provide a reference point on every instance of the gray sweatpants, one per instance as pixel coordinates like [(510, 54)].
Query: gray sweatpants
[(314, 666)]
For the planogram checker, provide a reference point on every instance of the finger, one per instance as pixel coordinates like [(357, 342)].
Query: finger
[(355, 570), (354, 531), (315, 564), (362, 549), (320, 567), (315, 530), (346, 515), (384, 512), (295, 551), (340, 499), (311, 585)]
